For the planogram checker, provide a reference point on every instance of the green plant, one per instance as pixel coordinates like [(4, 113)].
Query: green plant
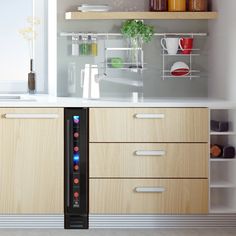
[(137, 29)]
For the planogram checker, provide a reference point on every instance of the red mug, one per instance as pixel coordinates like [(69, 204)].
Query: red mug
[(186, 45)]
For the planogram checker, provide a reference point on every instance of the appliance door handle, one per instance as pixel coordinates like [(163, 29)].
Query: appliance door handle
[(68, 162), (31, 116), (150, 190), (150, 153), (150, 116)]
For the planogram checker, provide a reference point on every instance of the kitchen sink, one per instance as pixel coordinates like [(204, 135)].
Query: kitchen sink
[(16, 98)]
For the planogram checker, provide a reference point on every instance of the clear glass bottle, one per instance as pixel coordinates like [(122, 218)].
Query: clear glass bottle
[(71, 79), (75, 46)]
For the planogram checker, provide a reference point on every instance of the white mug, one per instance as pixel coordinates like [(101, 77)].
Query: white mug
[(171, 45)]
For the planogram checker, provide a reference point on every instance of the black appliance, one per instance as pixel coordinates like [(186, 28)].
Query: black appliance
[(76, 168)]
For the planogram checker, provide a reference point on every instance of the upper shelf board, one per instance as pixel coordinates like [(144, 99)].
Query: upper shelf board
[(140, 15)]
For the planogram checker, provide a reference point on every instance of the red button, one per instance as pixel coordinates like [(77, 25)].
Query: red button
[(76, 194), (76, 167), (76, 135), (76, 149), (76, 181)]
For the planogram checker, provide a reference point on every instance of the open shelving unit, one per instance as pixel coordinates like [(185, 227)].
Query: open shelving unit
[(140, 15), (223, 170)]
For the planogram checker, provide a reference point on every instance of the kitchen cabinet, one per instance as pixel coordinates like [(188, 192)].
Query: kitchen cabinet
[(149, 196), (149, 160), (31, 161), (149, 125)]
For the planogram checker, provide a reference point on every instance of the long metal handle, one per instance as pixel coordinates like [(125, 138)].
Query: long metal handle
[(31, 116), (68, 161), (149, 116), (150, 190), (150, 153)]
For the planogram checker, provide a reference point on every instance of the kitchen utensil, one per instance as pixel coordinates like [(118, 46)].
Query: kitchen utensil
[(89, 82), (176, 5), (198, 5), (171, 45), (158, 5), (179, 69), (186, 45)]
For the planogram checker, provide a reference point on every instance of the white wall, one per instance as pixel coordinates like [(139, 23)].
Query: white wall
[(222, 51)]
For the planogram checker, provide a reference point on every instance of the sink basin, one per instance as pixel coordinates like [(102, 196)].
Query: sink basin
[(16, 98)]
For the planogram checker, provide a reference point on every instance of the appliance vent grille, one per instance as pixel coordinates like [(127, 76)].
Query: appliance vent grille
[(76, 222)]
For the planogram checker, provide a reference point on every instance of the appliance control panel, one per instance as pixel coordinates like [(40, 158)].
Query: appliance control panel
[(76, 162)]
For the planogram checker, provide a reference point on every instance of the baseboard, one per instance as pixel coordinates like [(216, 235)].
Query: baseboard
[(32, 221), (160, 221), (121, 221)]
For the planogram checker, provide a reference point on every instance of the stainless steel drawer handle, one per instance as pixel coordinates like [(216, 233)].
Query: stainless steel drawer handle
[(150, 153), (150, 190), (149, 116), (31, 116)]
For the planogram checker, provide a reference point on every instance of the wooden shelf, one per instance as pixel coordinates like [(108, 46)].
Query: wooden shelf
[(140, 15), (223, 133)]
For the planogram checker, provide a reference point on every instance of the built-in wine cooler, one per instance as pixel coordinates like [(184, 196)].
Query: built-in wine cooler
[(76, 168)]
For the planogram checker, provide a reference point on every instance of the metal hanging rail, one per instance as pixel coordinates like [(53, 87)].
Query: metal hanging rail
[(73, 34)]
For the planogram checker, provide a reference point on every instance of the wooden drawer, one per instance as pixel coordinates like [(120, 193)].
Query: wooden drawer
[(135, 196), (142, 160), (148, 125)]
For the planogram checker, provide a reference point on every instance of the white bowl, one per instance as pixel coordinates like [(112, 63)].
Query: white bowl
[(179, 69)]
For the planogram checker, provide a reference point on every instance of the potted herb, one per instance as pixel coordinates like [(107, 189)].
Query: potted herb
[(137, 33)]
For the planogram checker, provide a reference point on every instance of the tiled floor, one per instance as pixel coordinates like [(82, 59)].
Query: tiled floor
[(191, 232)]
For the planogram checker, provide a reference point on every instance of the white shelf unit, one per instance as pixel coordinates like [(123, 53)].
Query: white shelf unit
[(223, 170)]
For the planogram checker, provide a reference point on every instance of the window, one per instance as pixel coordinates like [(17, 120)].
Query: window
[(14, 53)]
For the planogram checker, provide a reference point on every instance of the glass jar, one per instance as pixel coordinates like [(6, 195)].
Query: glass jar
[(84, 47), (198, 5), (177, 5), (158, 5), (94, 46)]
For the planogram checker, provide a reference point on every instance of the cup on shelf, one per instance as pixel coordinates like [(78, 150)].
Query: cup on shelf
[(186, 45), (171, 45)]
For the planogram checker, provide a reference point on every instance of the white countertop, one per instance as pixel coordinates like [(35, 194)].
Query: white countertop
[(50, 101)]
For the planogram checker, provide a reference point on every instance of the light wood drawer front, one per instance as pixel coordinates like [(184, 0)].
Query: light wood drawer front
[(148, 125), (176, 196), (148, 160)]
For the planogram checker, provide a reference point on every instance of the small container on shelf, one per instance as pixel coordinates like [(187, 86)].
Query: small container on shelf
[(219, 126), (94, 46), (158, 5), (75, 46), (177, 5), (198, 5), (218, 151), (84, 47)]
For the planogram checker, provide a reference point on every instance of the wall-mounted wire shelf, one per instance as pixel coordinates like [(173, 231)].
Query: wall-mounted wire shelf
[(139, 66), (166, 67)]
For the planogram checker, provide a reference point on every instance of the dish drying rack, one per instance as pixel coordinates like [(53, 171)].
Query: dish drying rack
[(195, 52)]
